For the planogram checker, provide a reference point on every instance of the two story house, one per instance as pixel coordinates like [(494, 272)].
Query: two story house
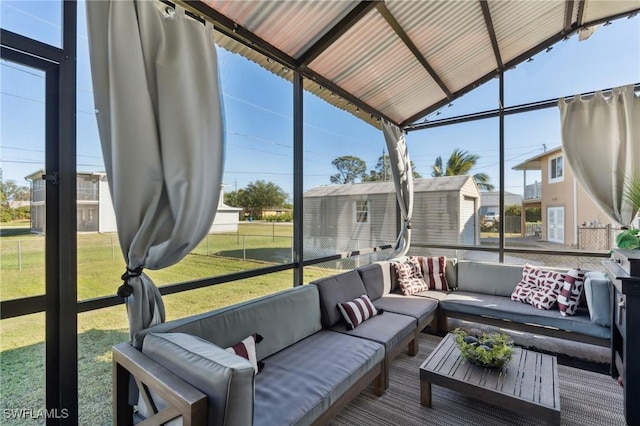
[(569, 216)]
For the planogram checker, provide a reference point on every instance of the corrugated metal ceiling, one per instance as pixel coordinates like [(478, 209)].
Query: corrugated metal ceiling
[(398, 60)]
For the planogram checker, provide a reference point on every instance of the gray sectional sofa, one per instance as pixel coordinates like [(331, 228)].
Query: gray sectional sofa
[(313, 364)]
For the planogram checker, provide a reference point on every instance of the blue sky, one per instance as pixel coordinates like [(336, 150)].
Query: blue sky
[(258, 108)]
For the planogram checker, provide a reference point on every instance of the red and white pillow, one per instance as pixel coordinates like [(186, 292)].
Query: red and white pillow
[(571, 291), (527, 284), (358, 310), (433, 271), (548, 289), (538, 287), (247, 350), (409, 277)]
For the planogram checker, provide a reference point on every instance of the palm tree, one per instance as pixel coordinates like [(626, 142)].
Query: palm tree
[(460, 163)]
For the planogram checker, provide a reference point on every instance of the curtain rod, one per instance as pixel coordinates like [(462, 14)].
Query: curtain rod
[(516, 109)]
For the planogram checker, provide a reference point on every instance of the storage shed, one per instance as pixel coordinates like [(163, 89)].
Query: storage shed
[(445, 211)]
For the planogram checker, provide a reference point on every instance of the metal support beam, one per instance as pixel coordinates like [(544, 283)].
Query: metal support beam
[(395, 25), (502, 180), (298, 177), (580, 13), (67, 242), (352, 18), (568, 15), (484, 4)]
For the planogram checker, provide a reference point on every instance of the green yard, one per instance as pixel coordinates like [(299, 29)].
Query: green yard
[(100, 265)]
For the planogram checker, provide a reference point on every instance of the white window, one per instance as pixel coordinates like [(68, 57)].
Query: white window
[(556, 169), (362, 211)]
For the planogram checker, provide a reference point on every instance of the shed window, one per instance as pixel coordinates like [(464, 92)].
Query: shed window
[(556, 169), (362, 211)]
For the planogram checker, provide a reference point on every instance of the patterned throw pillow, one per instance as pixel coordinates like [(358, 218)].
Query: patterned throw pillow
[(527, 284), (358, 311), (247, 350), (409, 277), (433, 271), (549, 285), (571, 291)]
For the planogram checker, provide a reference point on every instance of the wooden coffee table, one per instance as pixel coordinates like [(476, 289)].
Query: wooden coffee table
[(528, 384)]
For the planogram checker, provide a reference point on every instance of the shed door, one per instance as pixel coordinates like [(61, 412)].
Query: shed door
[(468, 221)]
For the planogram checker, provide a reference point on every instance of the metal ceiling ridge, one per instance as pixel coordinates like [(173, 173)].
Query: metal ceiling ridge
[(513, 63), (242, 35)]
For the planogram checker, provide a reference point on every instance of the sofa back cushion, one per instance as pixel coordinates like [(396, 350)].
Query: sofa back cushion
[(376, 278), (226, 379), (337, 288), (487, 277), (281, 318)]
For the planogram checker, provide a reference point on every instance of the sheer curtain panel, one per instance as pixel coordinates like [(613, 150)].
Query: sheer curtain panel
[(403, 180), (601, 142), (159, 113)]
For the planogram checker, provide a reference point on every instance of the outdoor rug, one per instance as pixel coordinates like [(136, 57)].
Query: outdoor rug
[(586, 399)]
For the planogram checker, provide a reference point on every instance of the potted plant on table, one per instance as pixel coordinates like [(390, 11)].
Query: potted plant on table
[(492, 350)]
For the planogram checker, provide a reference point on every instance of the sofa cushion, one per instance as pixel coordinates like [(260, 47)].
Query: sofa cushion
[(433, 294), (337, 288), (421, 308), (300, 382), (505, 308), (281, 318), (597, 292), (487, 277), (571, 291), (376, 278), (357, 311), (410, 278), (226, 379), (433, 270), (388, 329)]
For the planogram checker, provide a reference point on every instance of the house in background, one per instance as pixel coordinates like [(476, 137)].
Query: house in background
[(569, 216), (227, 217), (445, 211), (275, 211), (490, 201), (95, 209)]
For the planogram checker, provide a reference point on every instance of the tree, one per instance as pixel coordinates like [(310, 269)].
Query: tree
[(256, 197), (350, 169), (382, 171), (460, 163), (11, 191)]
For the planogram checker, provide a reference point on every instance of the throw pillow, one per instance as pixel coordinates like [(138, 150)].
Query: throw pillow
[(409, 277), (433, 270), (357, 311), (549, 285), (527, 284), (571, 291), (247, 349)]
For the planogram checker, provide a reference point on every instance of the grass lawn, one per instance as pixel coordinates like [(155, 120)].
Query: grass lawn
[(100, 264)]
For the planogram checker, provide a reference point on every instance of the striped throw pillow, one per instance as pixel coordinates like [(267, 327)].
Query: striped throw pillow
[(571, 291), (433, 270), (357, 311), (247, 350)]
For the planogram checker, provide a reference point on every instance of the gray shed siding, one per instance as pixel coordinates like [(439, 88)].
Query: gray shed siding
[(329, 215)]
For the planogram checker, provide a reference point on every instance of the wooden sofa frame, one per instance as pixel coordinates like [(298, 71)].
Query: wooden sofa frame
[(184, 400)]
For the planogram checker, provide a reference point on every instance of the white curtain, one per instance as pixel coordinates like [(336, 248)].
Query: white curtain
[(159, 114), (601, 142), (403, 180)]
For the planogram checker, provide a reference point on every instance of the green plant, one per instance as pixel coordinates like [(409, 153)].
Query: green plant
[(628, 238), (491, 350)]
